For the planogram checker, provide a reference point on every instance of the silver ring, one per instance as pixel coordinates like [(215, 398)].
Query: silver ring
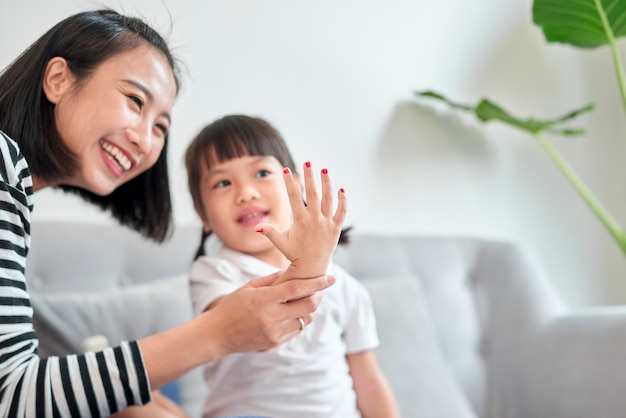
[(301, 321)]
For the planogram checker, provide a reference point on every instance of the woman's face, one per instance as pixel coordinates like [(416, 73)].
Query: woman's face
[(117, 119)]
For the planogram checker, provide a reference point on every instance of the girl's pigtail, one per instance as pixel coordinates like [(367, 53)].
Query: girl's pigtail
[(200, 251)]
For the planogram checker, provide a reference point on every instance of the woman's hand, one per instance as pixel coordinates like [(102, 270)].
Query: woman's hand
[(312, 239), (258, 317)]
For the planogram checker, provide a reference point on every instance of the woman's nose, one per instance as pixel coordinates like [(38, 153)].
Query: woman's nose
[(141, 137)]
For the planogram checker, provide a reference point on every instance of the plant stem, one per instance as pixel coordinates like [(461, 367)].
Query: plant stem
[(617, 62), (616, 231)]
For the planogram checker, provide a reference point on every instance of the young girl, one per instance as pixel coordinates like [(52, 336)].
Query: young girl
[(234, 171), (87, 107)]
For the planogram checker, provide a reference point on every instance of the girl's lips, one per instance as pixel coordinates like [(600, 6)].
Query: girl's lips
[(252, 217)]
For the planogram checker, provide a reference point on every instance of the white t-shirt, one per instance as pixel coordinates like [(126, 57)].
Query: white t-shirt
[(306, 377)]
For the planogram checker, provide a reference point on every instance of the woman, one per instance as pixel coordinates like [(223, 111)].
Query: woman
[(87, 108)]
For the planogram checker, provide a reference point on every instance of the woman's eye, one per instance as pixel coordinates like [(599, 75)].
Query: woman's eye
[(263, 173), (136, 100), (162, 128)]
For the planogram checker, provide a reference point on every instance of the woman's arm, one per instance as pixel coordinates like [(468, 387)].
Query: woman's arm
[(252, 318), (373, 393)]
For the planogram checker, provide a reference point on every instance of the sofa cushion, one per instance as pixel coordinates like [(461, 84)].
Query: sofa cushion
[(410, 355), (63, 320)]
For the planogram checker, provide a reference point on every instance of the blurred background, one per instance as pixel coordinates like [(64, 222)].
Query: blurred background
[(337, 79)]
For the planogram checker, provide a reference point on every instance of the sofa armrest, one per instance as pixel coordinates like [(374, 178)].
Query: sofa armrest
[(575, 366)]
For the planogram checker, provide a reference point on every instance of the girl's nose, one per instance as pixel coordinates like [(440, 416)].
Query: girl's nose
[(247, 193)]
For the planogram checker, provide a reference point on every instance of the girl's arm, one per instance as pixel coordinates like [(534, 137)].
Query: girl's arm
[(373, 394)]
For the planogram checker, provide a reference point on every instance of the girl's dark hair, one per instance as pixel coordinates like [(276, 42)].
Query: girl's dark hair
[(85, 40), (231, 137)]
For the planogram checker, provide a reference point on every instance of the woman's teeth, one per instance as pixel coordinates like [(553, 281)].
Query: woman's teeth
[(117, 154)]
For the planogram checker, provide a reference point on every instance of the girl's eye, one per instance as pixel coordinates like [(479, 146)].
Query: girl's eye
[(262, 173), (221, 183)]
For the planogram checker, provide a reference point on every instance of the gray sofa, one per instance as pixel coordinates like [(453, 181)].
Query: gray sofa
[(469, 327)]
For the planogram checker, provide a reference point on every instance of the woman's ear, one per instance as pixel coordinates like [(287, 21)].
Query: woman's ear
[(57, 79)]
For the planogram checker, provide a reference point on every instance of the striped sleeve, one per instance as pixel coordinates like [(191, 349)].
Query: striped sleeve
[(85, 385)]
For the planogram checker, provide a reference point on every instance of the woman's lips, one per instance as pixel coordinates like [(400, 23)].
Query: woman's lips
[(116, 158)]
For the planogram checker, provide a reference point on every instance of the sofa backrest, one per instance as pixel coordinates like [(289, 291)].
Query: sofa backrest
[(429, 294)]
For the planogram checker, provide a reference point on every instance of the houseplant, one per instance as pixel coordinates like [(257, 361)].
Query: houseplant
[(582, 24)]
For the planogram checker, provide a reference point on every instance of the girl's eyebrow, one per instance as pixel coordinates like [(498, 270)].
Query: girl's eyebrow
[(256, 160), (148, 95)]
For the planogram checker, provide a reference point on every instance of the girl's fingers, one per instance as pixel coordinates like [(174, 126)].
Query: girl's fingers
[(277, 237), (327, 194), (294, 193), (342, 208), (312, 199)]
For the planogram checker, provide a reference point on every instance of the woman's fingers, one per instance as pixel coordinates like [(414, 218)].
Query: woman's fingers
[(271, 313), (295, 289)]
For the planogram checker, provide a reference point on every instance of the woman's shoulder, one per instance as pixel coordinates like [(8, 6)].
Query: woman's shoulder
[(9, 146), (13, 167)]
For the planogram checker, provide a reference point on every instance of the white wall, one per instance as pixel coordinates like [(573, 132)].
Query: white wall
[(336, 77)]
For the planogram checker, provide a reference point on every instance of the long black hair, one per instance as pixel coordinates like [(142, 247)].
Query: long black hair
[(84, 40), (230, 137)]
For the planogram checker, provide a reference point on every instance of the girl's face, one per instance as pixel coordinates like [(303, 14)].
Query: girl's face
[(240, 193), (116, 120)]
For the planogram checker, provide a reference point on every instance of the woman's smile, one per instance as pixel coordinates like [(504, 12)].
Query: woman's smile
[(115, 158)]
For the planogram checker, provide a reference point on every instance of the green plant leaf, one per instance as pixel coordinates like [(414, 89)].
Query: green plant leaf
[(486, 110), (581, 23)]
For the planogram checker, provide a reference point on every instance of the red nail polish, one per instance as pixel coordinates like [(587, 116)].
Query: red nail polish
[(308, 164), (342, 190), (286, 170), (259, 230), (324, 171)]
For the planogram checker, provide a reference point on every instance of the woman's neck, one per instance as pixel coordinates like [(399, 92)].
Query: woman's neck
[(39, 184)]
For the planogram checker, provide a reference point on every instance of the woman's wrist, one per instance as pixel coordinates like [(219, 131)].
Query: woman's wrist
[(172, 353)]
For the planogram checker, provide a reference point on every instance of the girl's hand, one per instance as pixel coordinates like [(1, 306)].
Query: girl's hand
[(311, 241)]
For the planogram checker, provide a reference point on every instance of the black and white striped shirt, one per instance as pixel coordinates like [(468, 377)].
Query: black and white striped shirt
[(86, 385)]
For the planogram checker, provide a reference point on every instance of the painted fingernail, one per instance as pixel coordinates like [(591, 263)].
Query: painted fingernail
[(324, 171), (342, 190), (259, 230), (286, 170), (308, 164)]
